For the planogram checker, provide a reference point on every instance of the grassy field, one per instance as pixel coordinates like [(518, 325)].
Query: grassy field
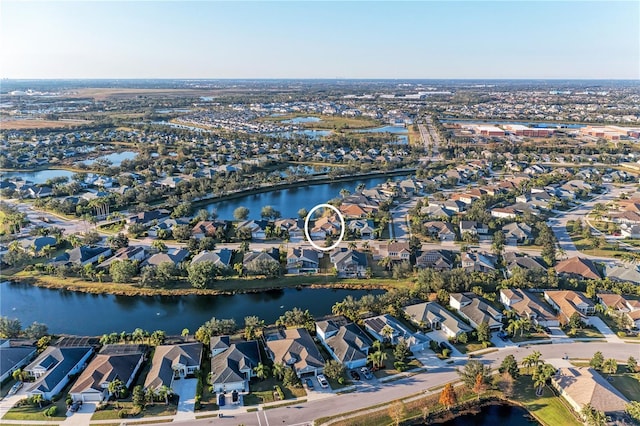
[(549, 409), (588, 333), (328, 122), (389, 369), (223, 286), (262, 391), (40, 124), (113, 408), (529, 336), (584, 245), (414, 137), (612, 324)]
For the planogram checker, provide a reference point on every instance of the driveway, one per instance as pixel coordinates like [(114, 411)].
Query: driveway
[(604, 329), (9, 401), (186, 388), (82, 416)]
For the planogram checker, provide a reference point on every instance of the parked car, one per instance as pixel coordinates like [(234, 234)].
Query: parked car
[(323, 381), (366, 373), (309, 383), (75, 406), (354, 375), (15, 388)]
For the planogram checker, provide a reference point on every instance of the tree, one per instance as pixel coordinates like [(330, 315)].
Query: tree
[(596, 361), (261, 371), (448, 396), (290, 378), (633, 409), (158, 337), (10, 327), (592, 416), (471, 370), (137, 397), (182, 232), (137, 335), (279, 370), (505, 384), (401, 351), (480, 385), (377, 358), (241, 213), (610, 366), (334, 370), (115, 387), (202, 215), (18, 374), (182, 210), (159, 246), (483, 332), (498, 242), (397, 411), (532, 360), (203, 274), (268, 212), (123, 271), (36, 330), (37, 398), (165, 392), (302, 213), (252, 327), (541, 375), (632, 365), (185, 332), (510, 366), (575, 321), (118, 241)]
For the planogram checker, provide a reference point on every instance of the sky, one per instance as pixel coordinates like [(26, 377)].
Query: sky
[(333, 39)]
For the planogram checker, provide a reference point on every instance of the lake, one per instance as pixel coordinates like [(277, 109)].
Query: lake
[(385, 129), (492, 415), (91, 314), (116, 158), (289, 201), (38, 177)]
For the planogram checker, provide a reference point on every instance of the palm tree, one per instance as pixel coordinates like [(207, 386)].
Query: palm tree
[(387, 332), (278, 370), (610, 366), (525, 324), (386, 262), (377, 345), (115, 387), (149, 395), (37, 399), (531, 360), (261, 371), (137, 335), (185, 332), (165, 392), (539, 385)]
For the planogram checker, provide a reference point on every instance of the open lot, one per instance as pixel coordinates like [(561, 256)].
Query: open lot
[(40, 124)]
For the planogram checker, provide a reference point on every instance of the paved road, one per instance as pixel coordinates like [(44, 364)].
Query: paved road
[(305, 413)]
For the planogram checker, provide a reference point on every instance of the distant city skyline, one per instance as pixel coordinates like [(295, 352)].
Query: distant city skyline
[(320, 40)]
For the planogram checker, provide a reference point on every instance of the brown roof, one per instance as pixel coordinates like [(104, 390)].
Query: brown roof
[(584, 385), (104, 369), (578, 266), (294, 346), (166, 357), (567, 301)]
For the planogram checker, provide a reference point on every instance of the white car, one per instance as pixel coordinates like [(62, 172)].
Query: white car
[(15, 388), (323, 381)]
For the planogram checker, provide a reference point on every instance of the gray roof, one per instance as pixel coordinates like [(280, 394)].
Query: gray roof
[(221, 258), (479, 311), (428, 311), (623, 272), (58, 362), (227, 366), (350, 343), (174, 256), (81, 254), (166, 356), (12, 356)]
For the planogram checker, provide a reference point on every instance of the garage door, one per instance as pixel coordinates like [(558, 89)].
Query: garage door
[(91, 397)]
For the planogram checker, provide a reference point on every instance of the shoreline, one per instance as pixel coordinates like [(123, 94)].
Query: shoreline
[(130, 290)]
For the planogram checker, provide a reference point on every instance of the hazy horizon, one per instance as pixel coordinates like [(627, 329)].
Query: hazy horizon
[(302, 40)]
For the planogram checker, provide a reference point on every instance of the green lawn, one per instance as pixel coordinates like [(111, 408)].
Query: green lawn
[(613, 326), (549, 409), (262, 391), (588, 333), (627, 383), (113, 408), (36, 413), (389, 369), (529, 336)]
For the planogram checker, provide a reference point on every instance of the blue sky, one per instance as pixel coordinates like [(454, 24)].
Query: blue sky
[(304, 39)]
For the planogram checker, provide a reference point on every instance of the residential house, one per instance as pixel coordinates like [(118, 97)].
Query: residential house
[(166, 225), (622, 306), (473, 227), (120, 362), (431, 315), (623, 272), (440, 260), (254, 261), (397, 252), (443, 231), (583, 385), (362, 228), (173, 362), (476, 310), (302, 261), (221, 258), (35, 245), (257, 228), (349, 263), (82, 256), (513, 261), (206, 228), (517, 233), (568, 302), (53, 367), (527, 306), (13, 356), (233, 363), (578, 267), (147, 219), (479, 262), (325, 226), (173, 255), (380, 325), (125, 253), (294, 347), (294, 228), (344, 340), (436, 211)]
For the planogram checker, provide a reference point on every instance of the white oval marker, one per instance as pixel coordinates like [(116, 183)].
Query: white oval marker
[(306, 227)]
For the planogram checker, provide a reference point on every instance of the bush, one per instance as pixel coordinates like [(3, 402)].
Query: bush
[(69, 401), (279, 392), (446, 352), (621, 334), (197, 405), (122, 414), (51, 411), (400, 366)]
